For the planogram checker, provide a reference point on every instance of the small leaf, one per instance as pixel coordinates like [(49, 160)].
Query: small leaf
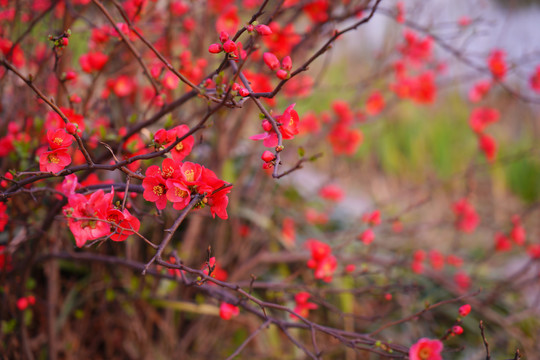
[(301, 151)]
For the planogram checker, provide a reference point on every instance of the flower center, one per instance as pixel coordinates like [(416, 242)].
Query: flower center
[(424, 353), (53, 159), (190, 175), (179, 146), (58, 141), (180, 193), (158, 190), (167, 173)]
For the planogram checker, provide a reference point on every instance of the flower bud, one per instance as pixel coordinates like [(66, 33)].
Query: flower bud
[(243, 92), (223, 36), (286, 63), (263, 30), (271, 60), (266, 126), (458, 330), (72, 128), (282, 74), (215, 48), (267, 156), (229, 46)]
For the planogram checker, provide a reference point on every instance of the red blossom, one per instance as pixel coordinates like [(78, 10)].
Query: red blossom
[(488, 145), (535, 80), (331, 192), (426, 349), (367, 236), (54, 160), (482, 117), (464, 310), (497, 64), (59, 139), (466, 217), (93, 61), (303, 306), (479, 90), (228, 311), (375, 103)]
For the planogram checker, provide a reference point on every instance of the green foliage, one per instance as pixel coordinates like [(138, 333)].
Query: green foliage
[(523, 178)]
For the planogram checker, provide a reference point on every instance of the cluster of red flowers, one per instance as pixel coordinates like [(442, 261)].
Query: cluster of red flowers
[(177, 181), (303, 306), (94, 216), (287, 124), (282, 69), (322, 261), (343, 136), (413, 80), (497, 64), (436, 259), (227, 45), (466, 217), (57, 158), (24, 302), (517, 235), (480, 118), (371, 219)]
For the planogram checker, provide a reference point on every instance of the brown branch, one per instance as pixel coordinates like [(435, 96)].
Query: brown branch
[(170, 231), (486, 344)]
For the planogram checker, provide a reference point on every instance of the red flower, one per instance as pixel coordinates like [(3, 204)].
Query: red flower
[(59, 139), (54, 161), (497, 64), (331, 192), (534, 251), (375, 103), (84, 214), (3, 216), (344, 140), (155, 187), (302, 305), (125, 221), (288, 232), (183, 148), (178, 193), (502, 243), (228, 311), (228, 20), (467, 219), (317, 10), (322, 261), (436, 259), (479, 90), (488, 145), (518, 233), (282, 40), (367, 236), (464, 310), (288, 126), (373, 218), (462, 280), (426, 349), (93, 61), (482, 117), (535, 80)]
